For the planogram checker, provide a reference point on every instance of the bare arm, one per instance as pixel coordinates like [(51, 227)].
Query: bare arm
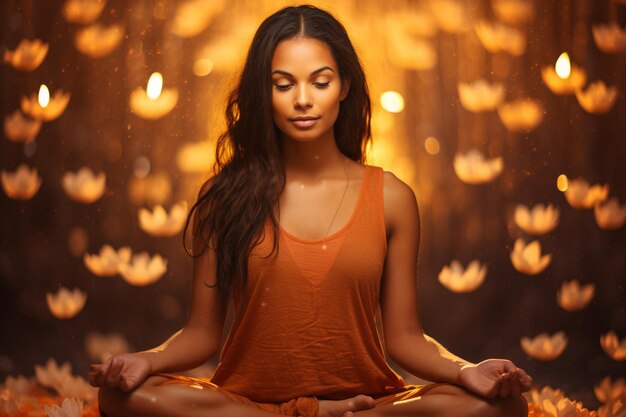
[(406, 342)]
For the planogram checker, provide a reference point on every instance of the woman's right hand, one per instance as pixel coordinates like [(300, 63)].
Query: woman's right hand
[(124, 372)]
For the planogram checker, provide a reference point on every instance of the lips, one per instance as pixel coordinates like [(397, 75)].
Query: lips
[(304, 121)]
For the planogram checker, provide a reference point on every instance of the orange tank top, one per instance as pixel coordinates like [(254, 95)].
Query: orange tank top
[(307, 326)]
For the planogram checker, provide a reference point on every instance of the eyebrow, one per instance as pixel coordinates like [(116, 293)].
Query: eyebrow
[(313, 73)]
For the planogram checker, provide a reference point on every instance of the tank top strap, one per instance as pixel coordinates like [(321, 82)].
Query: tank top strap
[(370, 215)]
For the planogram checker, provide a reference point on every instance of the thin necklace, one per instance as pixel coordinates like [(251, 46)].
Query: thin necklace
[(345, 170)]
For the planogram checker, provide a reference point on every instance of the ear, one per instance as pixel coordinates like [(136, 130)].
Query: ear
[(345, 89)]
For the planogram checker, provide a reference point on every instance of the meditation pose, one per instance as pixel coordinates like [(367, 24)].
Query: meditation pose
[(311, 246)]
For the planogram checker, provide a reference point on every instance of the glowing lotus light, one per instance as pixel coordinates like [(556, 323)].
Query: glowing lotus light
[(527, 259), (450, 15), (564, 78), (19, 384), (610, 215), (77, 387), (160, 223), (496, 37), (613, 347), (106, 263), (610, 38), (548, 394), (65, 304), (456, 279), (154, 102), (196, 156), (580, 195), (597, 98), (51, 375), (83, 11), (18, 128), (552, 403), (539, 220), (193, 16), (615, 408), (71, 407), (407, 51), (43, 107), (97, 40), (608, 392), (27, 56), (522, 115), (480, 96), (514, 12), (143, 270), (392, 101), (573, 297), (21, 184), (545, 347), (100, 347), (84, 186), (473, 168)]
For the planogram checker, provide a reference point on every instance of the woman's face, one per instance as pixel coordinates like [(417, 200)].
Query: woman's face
[(306, 89)]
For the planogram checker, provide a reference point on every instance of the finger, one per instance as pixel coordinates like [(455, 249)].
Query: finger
[(113, 377), (505, 388), (495, 389), (516, 387)]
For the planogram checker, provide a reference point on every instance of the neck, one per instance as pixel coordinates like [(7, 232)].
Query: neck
[(312, 160)]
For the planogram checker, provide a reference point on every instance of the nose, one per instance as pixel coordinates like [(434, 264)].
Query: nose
[(303, 99)]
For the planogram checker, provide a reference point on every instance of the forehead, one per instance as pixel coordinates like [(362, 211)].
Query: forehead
[(302, 55)]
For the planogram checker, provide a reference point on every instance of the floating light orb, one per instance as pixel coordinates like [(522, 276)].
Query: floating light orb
[(202, 67), (155, 85), (562, 183), (431, 145), (563, 66), (44, 96), (392, 101)]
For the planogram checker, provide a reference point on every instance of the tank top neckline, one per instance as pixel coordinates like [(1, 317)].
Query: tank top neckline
[(346, 226)]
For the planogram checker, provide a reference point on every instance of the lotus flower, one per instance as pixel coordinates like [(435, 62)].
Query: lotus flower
[(496, 37), (84, 186), (77, 387), (480, 96), (21, 184), (597, 98), (65, 304), (552, 403), (106, 263), (514, 12), (456, 279), (196, 157), (616, 408), (528, 259), (610, 38), (193, 16), (521, 115), (18, 385), (611, 215), (19, 128), (28, 55), (545, 347), (51, 375), (450, 15), (100, 347), (54, 109), (607, 392), (155, 102), (613, 347), (549, 394), (580, 195), (564, 86), (472, 168), (71, 407), (159, 223), (83, 11), (537, 221), (409, 52), (143, 270), (97, 40), (572, 296)]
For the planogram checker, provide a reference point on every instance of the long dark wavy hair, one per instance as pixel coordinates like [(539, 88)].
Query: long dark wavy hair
[(233, 205)]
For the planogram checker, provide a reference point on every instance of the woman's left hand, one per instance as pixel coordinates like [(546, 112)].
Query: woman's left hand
[(494, 377)]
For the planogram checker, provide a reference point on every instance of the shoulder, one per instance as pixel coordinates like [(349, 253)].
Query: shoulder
[(399, 201)]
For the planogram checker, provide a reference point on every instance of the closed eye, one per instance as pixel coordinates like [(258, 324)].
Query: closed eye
[(283, 87), (322, 85)]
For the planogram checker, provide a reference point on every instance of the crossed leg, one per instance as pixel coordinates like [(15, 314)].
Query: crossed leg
[(154, 399)]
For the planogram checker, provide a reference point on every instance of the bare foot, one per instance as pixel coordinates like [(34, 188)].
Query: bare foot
[(345, 408)]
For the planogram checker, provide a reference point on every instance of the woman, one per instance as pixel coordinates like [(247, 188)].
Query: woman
[(308, 241)]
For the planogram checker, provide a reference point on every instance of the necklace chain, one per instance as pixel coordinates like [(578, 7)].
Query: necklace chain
[(345, 170)]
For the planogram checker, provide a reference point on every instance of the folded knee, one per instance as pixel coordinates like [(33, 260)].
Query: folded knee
[(512, 406)]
